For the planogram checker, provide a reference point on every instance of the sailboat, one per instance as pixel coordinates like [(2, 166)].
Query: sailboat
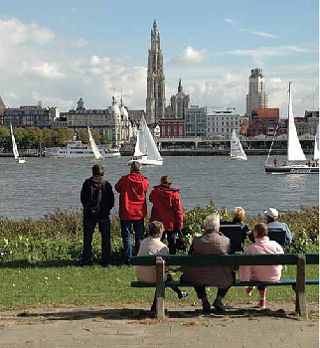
[(15, 148), (296, 159), (94, 147), (146, 151), (236, 150), (316, 146)]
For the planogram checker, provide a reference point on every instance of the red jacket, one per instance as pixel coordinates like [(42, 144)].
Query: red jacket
[(132, 200), (166, 207)]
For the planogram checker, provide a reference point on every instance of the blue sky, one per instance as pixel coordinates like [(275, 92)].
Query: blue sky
[(59, 51)]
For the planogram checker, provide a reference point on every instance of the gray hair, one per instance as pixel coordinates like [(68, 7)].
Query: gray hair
[(212, 222)]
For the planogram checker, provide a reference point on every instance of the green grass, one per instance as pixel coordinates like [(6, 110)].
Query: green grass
[(72, 285)]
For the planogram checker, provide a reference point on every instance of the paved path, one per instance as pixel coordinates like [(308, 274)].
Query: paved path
[(100, 326)]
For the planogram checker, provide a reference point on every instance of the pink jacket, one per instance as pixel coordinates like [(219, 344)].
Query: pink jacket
[(264, 273)]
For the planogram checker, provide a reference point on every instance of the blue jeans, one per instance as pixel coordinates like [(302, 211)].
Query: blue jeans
[(127, 227)]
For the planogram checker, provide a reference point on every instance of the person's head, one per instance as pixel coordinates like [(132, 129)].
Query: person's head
[(156, 229), (271, 214), (166, 180), (97, 169), (260, 230), (238, 214), (135, 167), (212, 223)]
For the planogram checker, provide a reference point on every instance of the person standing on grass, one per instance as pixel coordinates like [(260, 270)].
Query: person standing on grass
[(97, 199), (262, 245), (132, 208), (167, 208)]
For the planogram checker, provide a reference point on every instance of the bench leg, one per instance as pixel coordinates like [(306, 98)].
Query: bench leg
[(301, 308), (160, 287)]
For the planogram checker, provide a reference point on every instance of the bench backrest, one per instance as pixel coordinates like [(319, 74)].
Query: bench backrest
[(236, 234), (225, 260)]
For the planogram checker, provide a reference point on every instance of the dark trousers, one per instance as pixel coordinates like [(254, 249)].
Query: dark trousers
[(201, 291), (171, 238), (89, 224), (127, 228)]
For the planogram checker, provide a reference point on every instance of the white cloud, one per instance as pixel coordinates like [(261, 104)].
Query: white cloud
[(261, 33), (80, 43), (46, 70), (191, 55), (40, 35)]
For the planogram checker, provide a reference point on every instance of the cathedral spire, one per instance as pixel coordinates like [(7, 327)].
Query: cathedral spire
[(180, 86)]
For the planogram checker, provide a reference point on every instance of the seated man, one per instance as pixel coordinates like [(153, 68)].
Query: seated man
[(277, 231), (212, 242), (152, 245)]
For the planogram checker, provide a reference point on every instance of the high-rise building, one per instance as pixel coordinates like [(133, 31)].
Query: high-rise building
[(256, 98), (156, 100)]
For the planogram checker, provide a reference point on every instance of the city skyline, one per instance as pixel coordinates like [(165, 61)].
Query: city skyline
[(58, 52)]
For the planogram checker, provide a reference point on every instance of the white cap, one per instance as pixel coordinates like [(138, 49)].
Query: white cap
[(272, 212)]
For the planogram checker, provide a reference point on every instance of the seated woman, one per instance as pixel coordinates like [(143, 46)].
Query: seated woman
[(212, 242), (262, 245), (152, 245)]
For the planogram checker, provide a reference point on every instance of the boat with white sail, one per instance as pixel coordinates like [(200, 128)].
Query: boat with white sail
[(146, 151), (236, 149), (15, 148), (296, 162), (94, 147)]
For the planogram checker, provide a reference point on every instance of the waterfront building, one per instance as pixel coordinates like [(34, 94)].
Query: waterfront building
[(263, 121), (156, 100), (2, 108), (29, 116), (221, 122), (173, 124), (256, 98), (112, 122), (195, 121)]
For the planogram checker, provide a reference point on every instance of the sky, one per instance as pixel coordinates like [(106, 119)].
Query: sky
[(58, 51)]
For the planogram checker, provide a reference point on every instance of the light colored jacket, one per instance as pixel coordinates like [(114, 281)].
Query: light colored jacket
[(150, 246), (264, 273)]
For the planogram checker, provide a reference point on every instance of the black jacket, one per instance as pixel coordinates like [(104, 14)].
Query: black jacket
[(107, 201)]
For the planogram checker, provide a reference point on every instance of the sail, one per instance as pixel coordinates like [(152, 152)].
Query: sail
[(316, 145), (14, 145), (94, 146), (236, 149), (145, 144), (295, 152)]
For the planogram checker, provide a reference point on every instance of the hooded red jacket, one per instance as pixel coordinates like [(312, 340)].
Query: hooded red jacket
[(166, 207), (132, 200)]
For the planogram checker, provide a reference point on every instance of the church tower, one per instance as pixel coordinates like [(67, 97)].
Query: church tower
[(156, 100)]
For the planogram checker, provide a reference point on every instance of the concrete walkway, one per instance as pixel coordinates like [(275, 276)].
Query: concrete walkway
[(100, 326)]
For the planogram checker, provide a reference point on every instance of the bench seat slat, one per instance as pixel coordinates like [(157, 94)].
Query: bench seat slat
[(282, 282)]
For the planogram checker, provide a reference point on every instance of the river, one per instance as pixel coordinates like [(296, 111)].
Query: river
[(43, 185)]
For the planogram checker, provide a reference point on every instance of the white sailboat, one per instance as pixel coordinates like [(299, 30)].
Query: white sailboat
[(316, 146), (15, 148), (146, 151), (296, 159), (96, 152), (236, 149)]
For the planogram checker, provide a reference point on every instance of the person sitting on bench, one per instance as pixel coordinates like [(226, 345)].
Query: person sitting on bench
[(212, 242), (152, 245), (263, 245)]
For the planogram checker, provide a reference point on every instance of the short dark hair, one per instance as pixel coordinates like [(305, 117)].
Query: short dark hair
[(135, 167), (166, 180), (155, 229), (97, 169), (261, 230)]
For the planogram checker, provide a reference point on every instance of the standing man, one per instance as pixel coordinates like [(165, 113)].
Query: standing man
[(132, 208), (167, 209), (97, 199)]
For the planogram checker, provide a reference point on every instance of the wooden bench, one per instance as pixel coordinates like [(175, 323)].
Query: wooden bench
[(297, 284)]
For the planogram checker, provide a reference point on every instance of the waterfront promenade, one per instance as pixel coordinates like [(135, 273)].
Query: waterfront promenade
[(102, 326)]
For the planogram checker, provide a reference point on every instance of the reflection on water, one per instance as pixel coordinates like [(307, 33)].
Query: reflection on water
[(43, 185)]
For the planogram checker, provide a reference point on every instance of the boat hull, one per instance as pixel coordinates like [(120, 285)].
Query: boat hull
[(242, 158), (291, 170), (146, 162)]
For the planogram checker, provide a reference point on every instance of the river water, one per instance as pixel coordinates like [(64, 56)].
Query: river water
[(43, 185)]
